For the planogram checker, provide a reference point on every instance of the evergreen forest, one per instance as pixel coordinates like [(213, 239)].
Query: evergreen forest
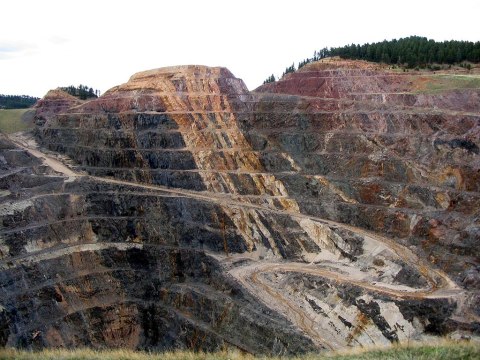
[(16, 101)]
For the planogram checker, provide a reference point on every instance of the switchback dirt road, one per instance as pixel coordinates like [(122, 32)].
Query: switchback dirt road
[(252, 276)]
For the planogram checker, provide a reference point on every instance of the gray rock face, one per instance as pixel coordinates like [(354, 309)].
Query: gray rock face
[(322, 211)]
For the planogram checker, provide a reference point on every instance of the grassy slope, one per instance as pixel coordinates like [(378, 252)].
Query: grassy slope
[(446, 82), (13, 120), (423, 352)]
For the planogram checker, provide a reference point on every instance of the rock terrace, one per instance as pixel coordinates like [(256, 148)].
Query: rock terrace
[(336, 207)]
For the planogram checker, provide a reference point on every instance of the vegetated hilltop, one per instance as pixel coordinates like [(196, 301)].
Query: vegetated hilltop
[(335, 208), (83, 92), (411, 52), (14, 113)]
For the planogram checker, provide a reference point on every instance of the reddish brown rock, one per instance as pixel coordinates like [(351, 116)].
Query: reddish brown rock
[(54, 102)]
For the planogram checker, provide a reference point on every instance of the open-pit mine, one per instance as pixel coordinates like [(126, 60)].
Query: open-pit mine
[(337, 207)]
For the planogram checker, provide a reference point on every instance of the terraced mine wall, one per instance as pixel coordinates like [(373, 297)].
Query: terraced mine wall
[(337, 207)]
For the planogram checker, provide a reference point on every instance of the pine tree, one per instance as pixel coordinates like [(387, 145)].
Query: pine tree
[(83, 92)]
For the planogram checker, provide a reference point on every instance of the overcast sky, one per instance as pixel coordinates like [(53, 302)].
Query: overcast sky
[(48, 43)]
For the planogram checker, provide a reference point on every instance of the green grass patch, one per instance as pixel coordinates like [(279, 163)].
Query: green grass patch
[(421, 352), (13, 120), (440, 83)]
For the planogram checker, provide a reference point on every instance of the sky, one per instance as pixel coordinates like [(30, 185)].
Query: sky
[(101, 43)]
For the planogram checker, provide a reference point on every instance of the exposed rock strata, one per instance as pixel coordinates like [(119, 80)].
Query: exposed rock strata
[(321, 211)]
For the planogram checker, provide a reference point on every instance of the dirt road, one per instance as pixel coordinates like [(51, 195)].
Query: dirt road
[(252, 276)]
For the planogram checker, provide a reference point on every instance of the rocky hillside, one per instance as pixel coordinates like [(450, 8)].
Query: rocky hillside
[(337, 207)]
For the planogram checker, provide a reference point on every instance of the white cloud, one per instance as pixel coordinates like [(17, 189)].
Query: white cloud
[(102, 43), (11, 49)]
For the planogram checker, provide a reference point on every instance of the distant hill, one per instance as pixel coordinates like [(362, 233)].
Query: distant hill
[(16, 101), (409, 52)]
